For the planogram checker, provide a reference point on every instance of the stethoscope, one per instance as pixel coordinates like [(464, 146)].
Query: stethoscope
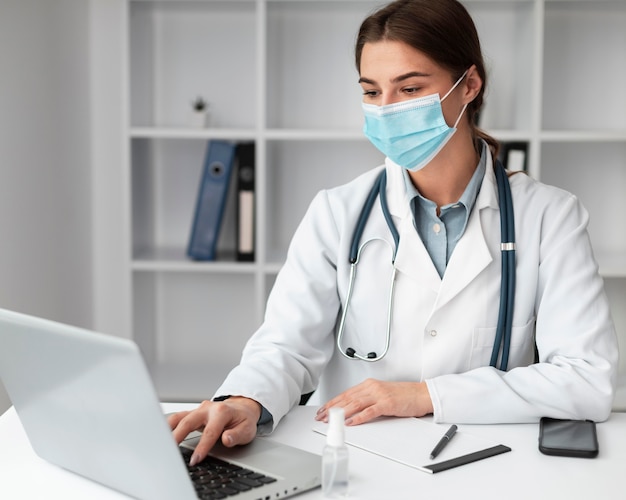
[(507, 286)]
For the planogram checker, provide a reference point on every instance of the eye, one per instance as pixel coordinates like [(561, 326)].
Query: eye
[(411, 90), (371, 93)]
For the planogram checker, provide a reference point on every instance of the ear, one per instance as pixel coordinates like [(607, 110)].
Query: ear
[(472, 84)]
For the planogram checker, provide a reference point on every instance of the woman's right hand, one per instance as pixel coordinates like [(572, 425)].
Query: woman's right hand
[(234, 420)]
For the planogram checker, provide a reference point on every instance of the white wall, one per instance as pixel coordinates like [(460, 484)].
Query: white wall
[(45, 178)]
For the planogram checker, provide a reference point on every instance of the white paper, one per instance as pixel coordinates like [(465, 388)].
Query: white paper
[(409, 441)]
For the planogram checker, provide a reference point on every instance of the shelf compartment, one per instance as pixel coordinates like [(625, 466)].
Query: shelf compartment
[(180, 50), (595, 173), (166, 175), (507, 32), (583, 86), (296, 171), (311, 78), (179, 319)]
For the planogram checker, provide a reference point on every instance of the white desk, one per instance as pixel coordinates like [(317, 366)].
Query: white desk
[(523, 473)]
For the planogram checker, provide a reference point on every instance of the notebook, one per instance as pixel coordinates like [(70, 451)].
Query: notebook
[(381, 437), (88, 405)]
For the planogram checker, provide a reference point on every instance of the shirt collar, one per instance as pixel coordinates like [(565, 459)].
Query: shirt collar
[(468, 198)]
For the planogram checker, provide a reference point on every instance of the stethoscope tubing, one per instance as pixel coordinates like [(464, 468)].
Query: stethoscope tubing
[(507, 293)]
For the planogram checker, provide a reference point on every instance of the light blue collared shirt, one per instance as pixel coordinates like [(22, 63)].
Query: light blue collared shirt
[(440, 234)]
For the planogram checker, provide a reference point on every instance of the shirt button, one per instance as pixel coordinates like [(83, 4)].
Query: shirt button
[(433, 333), (436, 228)]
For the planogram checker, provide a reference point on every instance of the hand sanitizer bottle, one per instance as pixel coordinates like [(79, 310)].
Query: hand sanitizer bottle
[(335, 457)]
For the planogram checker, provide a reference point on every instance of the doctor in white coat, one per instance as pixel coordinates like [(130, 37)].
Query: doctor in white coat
[(442, 197)]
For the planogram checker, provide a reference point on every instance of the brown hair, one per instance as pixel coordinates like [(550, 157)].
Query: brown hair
[(441, 29)]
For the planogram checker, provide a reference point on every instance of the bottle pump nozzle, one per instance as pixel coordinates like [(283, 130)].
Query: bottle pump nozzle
[(335, 457)]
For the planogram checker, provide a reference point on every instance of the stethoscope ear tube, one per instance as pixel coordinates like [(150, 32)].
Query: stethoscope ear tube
[(382, 187), (362, 220)]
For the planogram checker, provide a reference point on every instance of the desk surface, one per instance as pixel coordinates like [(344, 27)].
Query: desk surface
[(522, 474)]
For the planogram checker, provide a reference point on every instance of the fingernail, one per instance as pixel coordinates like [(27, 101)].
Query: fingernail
[(348, 421), (229, 440), (193, 460)]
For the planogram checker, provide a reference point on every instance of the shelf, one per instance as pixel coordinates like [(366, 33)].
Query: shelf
[(612, 264), (583, 135), (191, 133), (313, 135), (356, 134), (245, 134), (176, 260)]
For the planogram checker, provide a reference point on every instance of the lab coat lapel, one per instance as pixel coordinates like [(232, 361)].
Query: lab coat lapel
[(412, 258), (472, 253)]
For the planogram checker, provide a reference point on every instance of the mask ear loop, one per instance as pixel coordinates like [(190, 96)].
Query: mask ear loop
[(455, 85), (450, 91), (460, 115)]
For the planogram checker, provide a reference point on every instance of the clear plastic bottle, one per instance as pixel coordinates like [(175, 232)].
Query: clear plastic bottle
[(335, 457)]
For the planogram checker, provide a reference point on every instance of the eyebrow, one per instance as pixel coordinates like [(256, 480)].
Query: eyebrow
[(397, 79)]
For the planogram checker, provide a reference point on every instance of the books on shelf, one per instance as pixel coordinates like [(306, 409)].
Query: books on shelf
[(514, 155), (221, 160), (245, 201)]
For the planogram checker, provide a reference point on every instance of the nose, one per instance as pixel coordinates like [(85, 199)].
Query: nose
[(392, 96), (389, 98)]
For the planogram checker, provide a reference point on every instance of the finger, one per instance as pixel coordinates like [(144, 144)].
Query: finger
[(238, 425), (360, 403), (174, 418), (211, 433), (365, 415), (351, 400), (242, 433), (194, 421), (343, 400)]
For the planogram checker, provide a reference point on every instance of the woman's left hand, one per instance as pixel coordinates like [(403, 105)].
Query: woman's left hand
[(374, 398)]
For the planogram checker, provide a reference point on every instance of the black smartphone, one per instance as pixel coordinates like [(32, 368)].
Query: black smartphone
[(568, 438)]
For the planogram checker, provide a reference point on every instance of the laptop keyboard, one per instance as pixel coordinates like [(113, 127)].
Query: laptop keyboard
[(215, 479)]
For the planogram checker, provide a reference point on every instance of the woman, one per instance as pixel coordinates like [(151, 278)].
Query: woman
[(442, 196)]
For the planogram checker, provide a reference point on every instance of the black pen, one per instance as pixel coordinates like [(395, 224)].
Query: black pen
[(443, 441)]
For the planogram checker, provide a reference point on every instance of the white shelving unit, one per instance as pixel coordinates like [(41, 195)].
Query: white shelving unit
[(281, 73)]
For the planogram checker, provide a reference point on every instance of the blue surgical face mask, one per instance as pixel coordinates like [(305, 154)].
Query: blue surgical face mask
[(410, 133)]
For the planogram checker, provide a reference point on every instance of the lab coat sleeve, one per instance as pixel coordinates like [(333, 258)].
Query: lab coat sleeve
[(286, 355), (576, 374)]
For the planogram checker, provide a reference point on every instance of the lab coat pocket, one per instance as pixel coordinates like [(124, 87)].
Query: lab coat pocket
[(522, 350)]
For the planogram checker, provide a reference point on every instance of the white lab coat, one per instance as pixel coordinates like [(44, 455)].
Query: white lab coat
[(442, 330)]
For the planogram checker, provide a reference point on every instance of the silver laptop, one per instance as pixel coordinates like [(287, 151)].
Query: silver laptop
[(88, 405)]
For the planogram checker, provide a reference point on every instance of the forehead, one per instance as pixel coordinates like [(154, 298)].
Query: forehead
[(387, 58)]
